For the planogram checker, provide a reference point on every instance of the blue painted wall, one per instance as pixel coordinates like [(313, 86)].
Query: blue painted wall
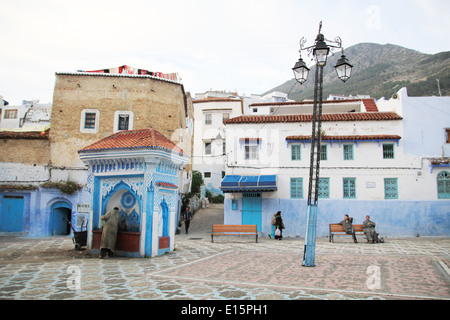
[(393, 218)]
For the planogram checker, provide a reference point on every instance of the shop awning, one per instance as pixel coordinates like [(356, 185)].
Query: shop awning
[(238, 183)]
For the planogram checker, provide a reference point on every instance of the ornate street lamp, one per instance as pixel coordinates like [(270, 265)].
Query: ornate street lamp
[(300, 71), (343, 68), (320, 51)]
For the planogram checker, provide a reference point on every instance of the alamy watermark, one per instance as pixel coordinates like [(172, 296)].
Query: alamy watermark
[(373, 21), (74, 280), (374, 278)]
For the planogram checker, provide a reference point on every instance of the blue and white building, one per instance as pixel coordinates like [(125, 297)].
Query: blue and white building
[(389, 160)]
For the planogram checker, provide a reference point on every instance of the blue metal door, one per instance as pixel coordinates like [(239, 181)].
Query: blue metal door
[(252, 208), (61, 215), (11, 214)]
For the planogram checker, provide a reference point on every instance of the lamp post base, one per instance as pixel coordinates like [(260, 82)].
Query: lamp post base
[(309, 253)]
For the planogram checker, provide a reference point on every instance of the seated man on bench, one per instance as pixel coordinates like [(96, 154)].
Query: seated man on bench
[(348, 228), (369, 230)]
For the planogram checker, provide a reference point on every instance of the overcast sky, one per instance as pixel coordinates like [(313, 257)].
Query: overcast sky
[(245, 45)]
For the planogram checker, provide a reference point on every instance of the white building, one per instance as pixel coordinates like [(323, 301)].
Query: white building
[(385, 162), (210, 138), (28, 114)]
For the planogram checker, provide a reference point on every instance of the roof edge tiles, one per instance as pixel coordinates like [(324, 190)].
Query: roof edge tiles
[(360, 116), (346, 138), (134, 140)]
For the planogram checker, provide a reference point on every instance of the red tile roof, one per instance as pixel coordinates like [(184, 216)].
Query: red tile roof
[(134, 139), (369, 104), (363, 116), (356, 137)]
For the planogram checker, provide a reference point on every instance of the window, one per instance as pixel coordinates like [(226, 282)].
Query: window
[(388, 151), (323, 152), (324, 188), (224, 147), (447, 133), (225, 117), (207, 174), (296, 152), (89, 120), (390, 188), (207, 147), (349, 188), (251, 152), (296, 188), (443, 185), (123, 120), (208, 118), (348, 152), (10, 114)]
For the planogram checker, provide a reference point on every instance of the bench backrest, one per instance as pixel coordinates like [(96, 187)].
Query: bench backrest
[(340, 228), (234, 228)]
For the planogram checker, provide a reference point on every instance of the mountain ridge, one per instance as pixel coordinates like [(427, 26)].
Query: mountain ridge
[(379, 70)]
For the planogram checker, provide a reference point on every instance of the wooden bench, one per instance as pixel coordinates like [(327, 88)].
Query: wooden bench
[(234, 230), (339, 230)]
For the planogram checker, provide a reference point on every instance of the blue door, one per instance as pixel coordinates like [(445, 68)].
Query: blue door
[(11, 214), (61, 215), (252, 208)]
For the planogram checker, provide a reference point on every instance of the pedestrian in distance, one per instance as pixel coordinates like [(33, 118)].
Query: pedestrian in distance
[(272, 225), (187, 216), (279, 226)]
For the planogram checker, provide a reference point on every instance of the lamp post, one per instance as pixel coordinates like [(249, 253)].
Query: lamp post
[(320, 51)]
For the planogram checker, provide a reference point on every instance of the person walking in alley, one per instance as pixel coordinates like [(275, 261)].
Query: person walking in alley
[(279, 226), (272, 225), (187, 216), (109, 234)]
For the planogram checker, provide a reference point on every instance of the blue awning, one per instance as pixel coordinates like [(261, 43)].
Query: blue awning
[(238, 183)]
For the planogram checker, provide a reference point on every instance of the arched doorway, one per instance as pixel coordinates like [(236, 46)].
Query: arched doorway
[(61, 214)]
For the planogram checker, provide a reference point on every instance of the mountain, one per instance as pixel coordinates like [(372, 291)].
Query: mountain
[(378, 71)]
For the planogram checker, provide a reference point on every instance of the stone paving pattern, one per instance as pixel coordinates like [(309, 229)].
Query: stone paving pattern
[(229, 268)]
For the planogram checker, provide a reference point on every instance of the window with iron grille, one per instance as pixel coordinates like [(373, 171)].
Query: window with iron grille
[(296, 152), (324, 188), (296, 188), (388, 151), (349, 188), (348, 152), (323, 152), (443, 185), (89, 120), (390, 188), (208, 118)]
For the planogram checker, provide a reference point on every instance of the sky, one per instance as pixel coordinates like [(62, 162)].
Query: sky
[(246, 46)]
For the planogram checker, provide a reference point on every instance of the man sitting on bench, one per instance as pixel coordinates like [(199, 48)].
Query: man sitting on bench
[(348, 228), (369, 230)]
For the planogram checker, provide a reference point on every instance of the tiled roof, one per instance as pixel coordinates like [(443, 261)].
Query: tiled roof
[(352, 116), (25, 135), (369, 104), (134, 139), (356, 137)]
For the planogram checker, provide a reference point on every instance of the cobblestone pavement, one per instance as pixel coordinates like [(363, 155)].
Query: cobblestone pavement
[(229, 268)]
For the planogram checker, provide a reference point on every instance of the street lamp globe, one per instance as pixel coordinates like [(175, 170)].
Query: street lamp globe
[(300, 71), (321, 50), (343, 68)]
